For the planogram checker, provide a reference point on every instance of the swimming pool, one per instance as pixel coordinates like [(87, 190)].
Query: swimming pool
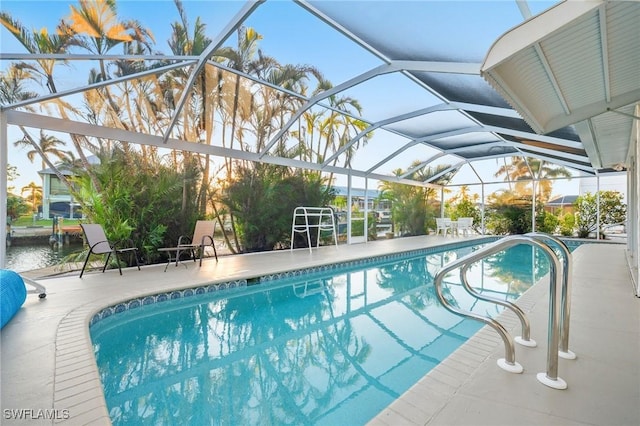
[(332, 347)]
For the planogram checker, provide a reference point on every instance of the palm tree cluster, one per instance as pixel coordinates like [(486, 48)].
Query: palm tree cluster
[(530, 183), (529, 174), (228, 103)]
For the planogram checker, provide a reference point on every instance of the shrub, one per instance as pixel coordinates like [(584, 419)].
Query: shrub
[(152, 207), (567, 224), (16, 207), (612, 211), (262, 198), (546, 222)]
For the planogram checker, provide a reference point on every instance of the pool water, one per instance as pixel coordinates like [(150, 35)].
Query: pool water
[(320, 349)]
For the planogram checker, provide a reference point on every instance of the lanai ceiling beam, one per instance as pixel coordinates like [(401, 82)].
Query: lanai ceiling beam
[(423, 164), (392, 66), (445, 171), (378, 124), (105, 83), (75, 127), (392, 155)]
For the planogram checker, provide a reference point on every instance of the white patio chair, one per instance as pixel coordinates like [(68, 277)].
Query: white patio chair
[(464, 225), (443, 224)]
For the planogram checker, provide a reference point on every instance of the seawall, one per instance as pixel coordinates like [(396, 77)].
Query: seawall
[(38, 235)]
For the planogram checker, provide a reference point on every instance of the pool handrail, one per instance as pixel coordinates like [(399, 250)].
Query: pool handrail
[(525, 339), (565, 296), (550, 377), (508, 363)]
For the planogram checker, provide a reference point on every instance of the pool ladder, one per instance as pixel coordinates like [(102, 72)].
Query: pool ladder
[(558, 328)]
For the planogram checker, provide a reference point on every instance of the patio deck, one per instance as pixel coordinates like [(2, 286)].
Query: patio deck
[(47, 360)]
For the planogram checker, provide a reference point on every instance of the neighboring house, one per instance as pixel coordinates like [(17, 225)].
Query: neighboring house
[(589, 185), (381, 207), (563, 203), (605, 183), (56, 197)]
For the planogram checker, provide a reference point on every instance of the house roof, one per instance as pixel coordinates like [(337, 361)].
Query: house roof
[(564, 200), (92, 159), (357, 192)]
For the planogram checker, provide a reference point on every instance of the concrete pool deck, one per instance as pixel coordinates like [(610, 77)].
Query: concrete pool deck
[(47, 361)]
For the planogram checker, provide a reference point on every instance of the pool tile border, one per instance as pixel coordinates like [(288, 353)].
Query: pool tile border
[(358, 263), (290, 274), (91, 407), (138, 302)]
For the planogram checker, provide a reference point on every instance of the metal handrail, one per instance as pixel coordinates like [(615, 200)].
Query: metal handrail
[(550, 377), (565, 296), (525, 339)]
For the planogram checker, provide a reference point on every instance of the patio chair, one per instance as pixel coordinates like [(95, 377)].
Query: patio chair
[(98, 244), (202, 237), (443, 224), (464, 225)]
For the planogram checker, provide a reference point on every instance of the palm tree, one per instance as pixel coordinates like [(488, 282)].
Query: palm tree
[(12, 90), (243, 59), (95, 27), (338, 127), (42, 42), (193, 41), (34, 193), (293, 78), (522, 170), (12, 85), (48, 146), (266, 108), (39, 42), (412, 205)]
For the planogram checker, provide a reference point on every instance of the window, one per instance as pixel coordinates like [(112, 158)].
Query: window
[(58, 187)]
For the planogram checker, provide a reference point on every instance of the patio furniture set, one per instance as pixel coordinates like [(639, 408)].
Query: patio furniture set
[(195, 246), (446, 225)]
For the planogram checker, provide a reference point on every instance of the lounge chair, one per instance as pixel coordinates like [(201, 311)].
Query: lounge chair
[(202, 237), (98, 244)]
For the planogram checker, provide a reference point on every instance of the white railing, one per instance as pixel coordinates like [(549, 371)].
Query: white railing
[(307, 218)]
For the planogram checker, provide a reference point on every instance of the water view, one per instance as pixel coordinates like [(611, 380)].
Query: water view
[(29, 257)]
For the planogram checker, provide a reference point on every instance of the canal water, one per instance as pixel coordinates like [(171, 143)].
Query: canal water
[(21, 258)]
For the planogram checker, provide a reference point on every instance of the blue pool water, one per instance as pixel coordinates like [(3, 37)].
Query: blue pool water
[(325, 349)]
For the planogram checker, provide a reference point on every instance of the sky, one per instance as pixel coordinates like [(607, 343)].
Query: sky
[(282, 25)]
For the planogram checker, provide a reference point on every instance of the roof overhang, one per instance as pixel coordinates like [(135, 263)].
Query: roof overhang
[(578, 64)]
